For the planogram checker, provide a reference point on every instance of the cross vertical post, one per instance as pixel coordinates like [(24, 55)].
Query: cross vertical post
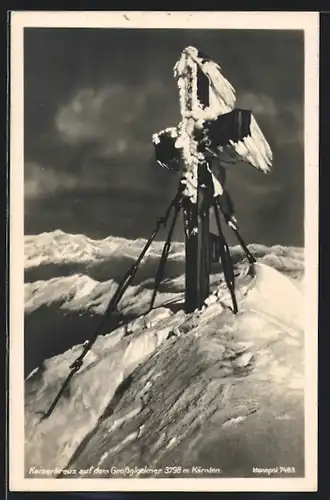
[(197, 243)]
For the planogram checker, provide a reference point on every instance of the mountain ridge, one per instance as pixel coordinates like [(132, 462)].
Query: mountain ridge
[(233, 375)]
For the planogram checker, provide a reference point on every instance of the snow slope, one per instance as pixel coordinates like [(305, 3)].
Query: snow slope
[(166, 388)]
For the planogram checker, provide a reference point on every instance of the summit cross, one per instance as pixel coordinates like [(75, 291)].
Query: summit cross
[(211, 132)]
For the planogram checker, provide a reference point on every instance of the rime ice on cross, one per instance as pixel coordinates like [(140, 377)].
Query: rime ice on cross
[(193, 71), (210, 129)]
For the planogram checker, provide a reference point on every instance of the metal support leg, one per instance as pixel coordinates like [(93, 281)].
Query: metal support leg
[(163, 260), (112, 306), (227, 208), (249, 255), (226, 260)]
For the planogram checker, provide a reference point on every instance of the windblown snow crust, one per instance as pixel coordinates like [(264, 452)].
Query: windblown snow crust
[(208, 389)]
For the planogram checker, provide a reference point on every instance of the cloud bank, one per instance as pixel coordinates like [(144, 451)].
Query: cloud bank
[(93, 99)]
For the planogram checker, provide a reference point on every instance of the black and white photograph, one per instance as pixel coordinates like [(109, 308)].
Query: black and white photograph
[(163, 224)]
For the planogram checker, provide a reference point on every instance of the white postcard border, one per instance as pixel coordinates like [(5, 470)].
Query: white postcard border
[(307, 21)]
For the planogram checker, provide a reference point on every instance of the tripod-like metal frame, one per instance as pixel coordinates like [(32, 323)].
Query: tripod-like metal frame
[(179, 202)]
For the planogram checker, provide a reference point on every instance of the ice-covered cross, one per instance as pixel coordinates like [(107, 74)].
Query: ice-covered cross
[(210, 126)]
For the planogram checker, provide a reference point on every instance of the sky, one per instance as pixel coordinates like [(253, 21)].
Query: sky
[(94, 97)]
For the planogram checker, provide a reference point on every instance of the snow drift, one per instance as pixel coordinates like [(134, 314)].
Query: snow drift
[(165, 388)]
